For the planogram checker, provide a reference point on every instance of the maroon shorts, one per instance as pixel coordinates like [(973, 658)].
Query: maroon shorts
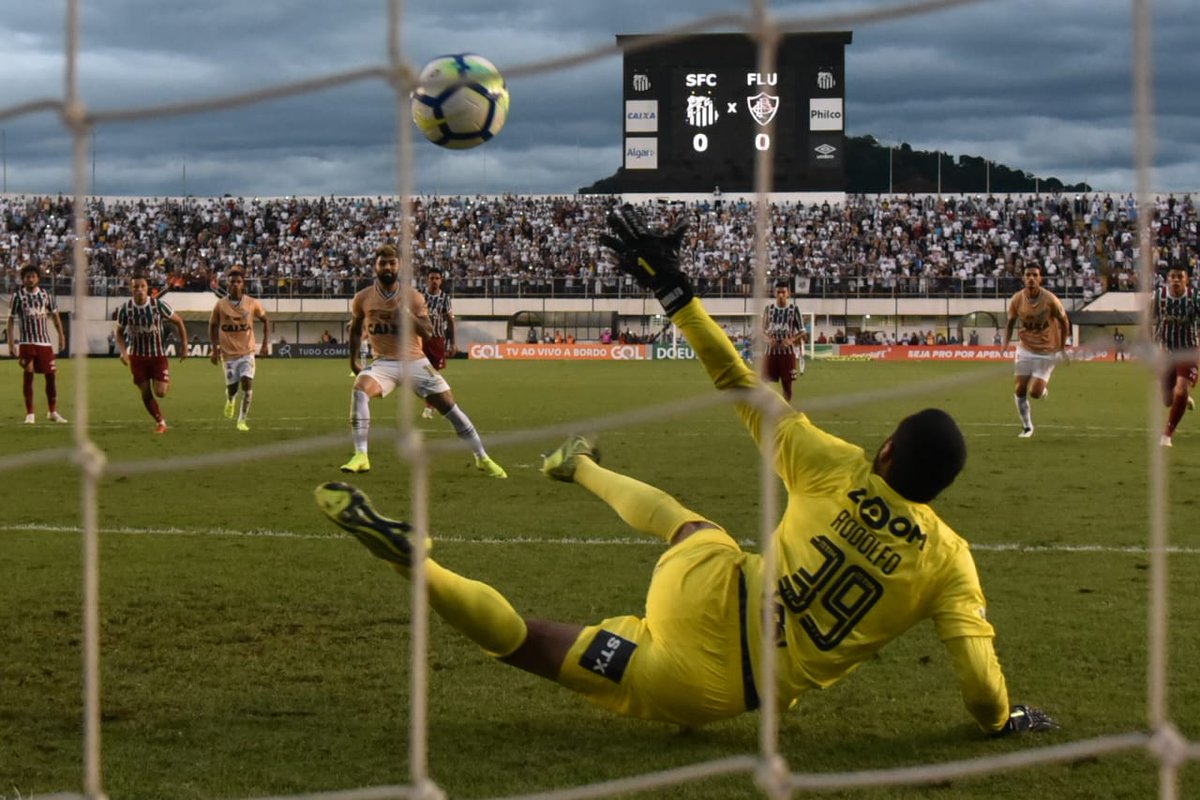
[(41, 356), (1180, 369), (149, 368), (780, 365), (435, 351)]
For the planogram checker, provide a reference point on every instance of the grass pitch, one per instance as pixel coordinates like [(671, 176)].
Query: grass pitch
[(250, 649)]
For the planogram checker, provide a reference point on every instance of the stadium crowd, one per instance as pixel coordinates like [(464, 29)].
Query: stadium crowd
[(509, 245)]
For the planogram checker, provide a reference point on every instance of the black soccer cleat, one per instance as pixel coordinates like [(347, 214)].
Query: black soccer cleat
[(351, 509)]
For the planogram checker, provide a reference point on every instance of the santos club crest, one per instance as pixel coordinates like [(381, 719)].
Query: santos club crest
[(763, 107)]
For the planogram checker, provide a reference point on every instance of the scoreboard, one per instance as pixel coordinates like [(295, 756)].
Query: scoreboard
[(696, 113)]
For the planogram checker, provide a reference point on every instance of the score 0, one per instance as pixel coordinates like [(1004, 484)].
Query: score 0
[(762, 106), (700, 142)]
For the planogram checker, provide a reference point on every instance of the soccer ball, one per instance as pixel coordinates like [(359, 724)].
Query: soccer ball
[(461, 101)]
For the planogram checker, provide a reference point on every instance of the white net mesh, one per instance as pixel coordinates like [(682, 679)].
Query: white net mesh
[(772, 774)]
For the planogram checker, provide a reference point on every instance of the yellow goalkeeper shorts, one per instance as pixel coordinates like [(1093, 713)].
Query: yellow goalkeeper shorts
[(686, 662)]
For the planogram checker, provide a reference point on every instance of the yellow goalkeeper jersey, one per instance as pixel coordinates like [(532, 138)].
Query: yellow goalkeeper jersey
[(856, 564)]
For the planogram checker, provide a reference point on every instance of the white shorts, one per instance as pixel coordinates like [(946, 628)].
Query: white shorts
[(238, 368), (1037, 365), (389, 373)]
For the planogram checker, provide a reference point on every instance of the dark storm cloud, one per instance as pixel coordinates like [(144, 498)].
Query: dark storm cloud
[(1041, 86)]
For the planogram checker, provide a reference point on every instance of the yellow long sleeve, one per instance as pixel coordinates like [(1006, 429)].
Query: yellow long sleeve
[(980, 679)]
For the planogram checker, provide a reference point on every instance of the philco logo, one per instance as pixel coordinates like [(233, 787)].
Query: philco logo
[(641, 82), (763, 107), (825, 80), (825, 151), (825, 114)]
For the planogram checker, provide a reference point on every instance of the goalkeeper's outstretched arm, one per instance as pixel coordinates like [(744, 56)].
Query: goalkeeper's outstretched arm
[(653, 260), (726, 368)]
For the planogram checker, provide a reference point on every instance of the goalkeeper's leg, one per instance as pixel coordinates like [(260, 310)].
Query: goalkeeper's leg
[(475, 609), (640, 505)]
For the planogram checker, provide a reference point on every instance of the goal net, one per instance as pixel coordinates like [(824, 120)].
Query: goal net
[(775, 777)]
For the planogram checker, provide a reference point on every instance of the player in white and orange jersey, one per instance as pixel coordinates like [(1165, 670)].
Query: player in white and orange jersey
[(1041, 340), (231, 331), (379, 310)]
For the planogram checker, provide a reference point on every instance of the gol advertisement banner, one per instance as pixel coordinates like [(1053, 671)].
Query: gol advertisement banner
[(512, 351), (865, 352)]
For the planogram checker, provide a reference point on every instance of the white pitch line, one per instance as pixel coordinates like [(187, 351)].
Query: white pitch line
[(603, 541)]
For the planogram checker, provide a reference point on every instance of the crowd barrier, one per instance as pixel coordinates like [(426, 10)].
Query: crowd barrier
[(506, 351)]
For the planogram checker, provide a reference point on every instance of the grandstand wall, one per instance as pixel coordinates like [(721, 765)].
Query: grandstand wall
[(485, 320)]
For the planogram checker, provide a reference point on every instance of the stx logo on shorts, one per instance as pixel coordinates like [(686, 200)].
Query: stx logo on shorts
[(608, 655)]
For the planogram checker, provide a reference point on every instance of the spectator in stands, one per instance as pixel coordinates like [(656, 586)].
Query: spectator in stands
[(533, 245)]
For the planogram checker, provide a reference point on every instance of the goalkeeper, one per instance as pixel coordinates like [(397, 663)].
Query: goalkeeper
[(860, 557)]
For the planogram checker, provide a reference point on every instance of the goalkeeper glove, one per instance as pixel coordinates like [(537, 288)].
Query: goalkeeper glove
[(1026, 718), (651, 258)]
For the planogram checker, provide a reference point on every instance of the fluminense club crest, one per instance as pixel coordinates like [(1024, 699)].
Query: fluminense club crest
[(763, 107)]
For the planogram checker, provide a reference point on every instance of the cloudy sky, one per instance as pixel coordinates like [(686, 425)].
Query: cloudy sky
[(1041, 85)]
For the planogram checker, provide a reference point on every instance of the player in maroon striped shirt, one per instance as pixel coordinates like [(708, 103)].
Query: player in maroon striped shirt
[(35, 309), (784, 330), (1176, 315), (441, 344), (139, 336)]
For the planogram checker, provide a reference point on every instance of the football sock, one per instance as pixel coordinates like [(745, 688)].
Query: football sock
[(474, 609), (27, 390), (642, 507), (151, 405), (247, 397), (360, 419), (1023, 410), (1178, 407), (51, 392), (465, 430)]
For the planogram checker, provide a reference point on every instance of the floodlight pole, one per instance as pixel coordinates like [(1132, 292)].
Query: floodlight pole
[(939, 173), (891, 150)]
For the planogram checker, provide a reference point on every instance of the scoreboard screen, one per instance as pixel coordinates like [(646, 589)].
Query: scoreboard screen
[(696, 113)]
